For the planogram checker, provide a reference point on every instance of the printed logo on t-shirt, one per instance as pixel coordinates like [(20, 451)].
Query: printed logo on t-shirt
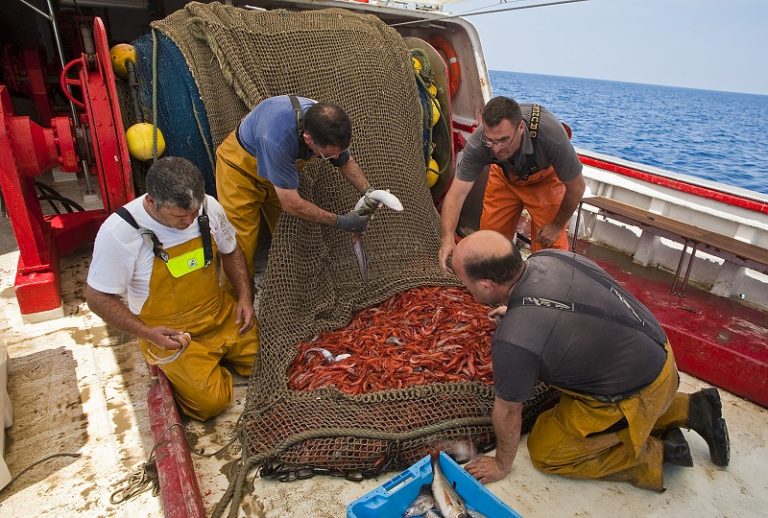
[(549, 303)]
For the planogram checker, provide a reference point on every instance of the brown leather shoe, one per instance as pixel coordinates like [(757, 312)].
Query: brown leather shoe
[(706, 419), (676, 449)]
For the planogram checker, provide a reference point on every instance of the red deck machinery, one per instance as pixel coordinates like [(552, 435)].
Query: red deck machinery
[(94, 142)]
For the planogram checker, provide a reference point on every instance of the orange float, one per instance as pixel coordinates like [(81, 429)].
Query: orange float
[(444, 46)]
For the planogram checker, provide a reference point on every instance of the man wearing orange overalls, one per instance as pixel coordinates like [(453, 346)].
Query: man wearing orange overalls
[(532, 165), (161, 252)]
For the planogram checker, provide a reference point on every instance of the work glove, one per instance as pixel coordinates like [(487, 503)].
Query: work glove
[(365, 205), (352, 221)]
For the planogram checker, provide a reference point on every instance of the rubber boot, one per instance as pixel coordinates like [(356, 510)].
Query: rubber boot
[(676, 449), (706, 419)]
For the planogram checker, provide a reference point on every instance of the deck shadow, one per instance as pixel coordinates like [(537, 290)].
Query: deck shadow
[(48, 416)]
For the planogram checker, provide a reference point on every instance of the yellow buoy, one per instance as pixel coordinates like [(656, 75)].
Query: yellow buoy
[(432, 89), (119, 54), (139, 139), (435, 112), (432, 172), (416, 64)]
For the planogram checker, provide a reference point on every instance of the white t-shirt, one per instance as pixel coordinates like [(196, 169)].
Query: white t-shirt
[(122, 261)]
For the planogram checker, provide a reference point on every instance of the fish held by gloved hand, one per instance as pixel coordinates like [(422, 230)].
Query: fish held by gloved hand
[(365, 207), (372, 200)]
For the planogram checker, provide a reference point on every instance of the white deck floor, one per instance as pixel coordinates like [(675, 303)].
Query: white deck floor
[(80, 389)]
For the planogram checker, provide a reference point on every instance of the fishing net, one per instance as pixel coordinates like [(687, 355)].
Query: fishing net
[(240, 57), (166, 80)]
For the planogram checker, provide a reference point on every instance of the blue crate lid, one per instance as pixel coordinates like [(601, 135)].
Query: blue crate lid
[(393, 497)]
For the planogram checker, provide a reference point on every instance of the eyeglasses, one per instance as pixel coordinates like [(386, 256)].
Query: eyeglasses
[(330, 157), (503, 141)]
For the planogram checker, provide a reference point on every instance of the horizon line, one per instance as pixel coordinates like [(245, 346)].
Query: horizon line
[(631, 82)]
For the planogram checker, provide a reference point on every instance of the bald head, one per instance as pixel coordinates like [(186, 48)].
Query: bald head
[(486, 254)]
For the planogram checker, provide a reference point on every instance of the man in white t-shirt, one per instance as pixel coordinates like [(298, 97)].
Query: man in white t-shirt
[(160, 253)]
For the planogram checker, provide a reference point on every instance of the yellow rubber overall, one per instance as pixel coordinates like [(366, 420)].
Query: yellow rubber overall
[(196, 304), (566, 439), (245, 195)]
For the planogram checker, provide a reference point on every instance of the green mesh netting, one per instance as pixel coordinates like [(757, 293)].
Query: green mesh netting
[(240, 57)]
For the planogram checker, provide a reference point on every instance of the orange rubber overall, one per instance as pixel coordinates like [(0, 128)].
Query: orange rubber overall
[(504, 201)]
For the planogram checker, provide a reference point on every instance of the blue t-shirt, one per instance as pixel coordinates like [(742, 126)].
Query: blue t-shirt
[(268, 133)]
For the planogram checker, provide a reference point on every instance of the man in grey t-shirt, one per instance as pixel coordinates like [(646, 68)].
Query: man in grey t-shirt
[(532, 165), (570, 324)]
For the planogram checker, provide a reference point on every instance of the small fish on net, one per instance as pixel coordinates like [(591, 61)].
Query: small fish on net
[(420, 336)]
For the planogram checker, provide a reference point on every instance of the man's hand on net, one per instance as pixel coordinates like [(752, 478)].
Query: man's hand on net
[(446, 251), (352, 221)]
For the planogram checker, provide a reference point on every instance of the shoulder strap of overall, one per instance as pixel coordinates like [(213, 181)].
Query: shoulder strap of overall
[(297, 111), (150, 238), (127, 217), (205, 232), (533, 124), (636, 323), (531, 164)]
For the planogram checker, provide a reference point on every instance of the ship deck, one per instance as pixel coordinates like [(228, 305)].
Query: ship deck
[(79, 390)]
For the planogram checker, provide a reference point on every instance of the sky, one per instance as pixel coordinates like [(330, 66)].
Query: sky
[(706, 44)]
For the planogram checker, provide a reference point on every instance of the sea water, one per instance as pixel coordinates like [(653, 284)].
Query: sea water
[(719, 136)]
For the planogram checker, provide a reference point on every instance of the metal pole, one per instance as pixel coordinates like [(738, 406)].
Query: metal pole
[(41, 13), (72, 108)]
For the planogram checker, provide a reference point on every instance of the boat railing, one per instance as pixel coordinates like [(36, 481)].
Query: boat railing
[(713, 208)]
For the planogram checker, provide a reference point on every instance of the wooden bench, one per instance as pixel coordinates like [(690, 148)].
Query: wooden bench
[(728, 248)]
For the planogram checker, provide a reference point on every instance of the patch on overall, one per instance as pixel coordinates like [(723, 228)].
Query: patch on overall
[(186, 263)]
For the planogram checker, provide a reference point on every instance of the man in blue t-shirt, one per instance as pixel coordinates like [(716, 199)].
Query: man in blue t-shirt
[(258, 165), (570, 324)]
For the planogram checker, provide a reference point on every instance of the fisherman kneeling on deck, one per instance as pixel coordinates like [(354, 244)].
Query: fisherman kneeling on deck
[(569, 323), (161, 251)]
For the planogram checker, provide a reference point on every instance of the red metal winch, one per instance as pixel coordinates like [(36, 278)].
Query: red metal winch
[(94, 142)]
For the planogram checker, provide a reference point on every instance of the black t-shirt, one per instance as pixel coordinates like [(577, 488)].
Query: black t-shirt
[(552, 148), (601, 348)]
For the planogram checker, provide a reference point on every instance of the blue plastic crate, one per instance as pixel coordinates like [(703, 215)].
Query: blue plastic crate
[(392, 498)]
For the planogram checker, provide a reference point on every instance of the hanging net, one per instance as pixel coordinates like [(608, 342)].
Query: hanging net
[(312, 286)]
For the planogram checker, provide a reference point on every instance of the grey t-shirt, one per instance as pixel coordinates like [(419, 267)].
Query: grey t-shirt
[(552, 148), (574, 350)]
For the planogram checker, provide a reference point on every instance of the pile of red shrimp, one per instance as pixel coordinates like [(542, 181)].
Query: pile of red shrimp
[(420, 336)]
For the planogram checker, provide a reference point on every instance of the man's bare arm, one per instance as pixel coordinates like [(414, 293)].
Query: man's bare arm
[(574, 190), (507, 418), (449, 217), (294, 204), (354, 175), (237, 272), (115, 313)]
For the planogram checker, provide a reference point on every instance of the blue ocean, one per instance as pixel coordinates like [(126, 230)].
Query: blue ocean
[(719, 136)]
